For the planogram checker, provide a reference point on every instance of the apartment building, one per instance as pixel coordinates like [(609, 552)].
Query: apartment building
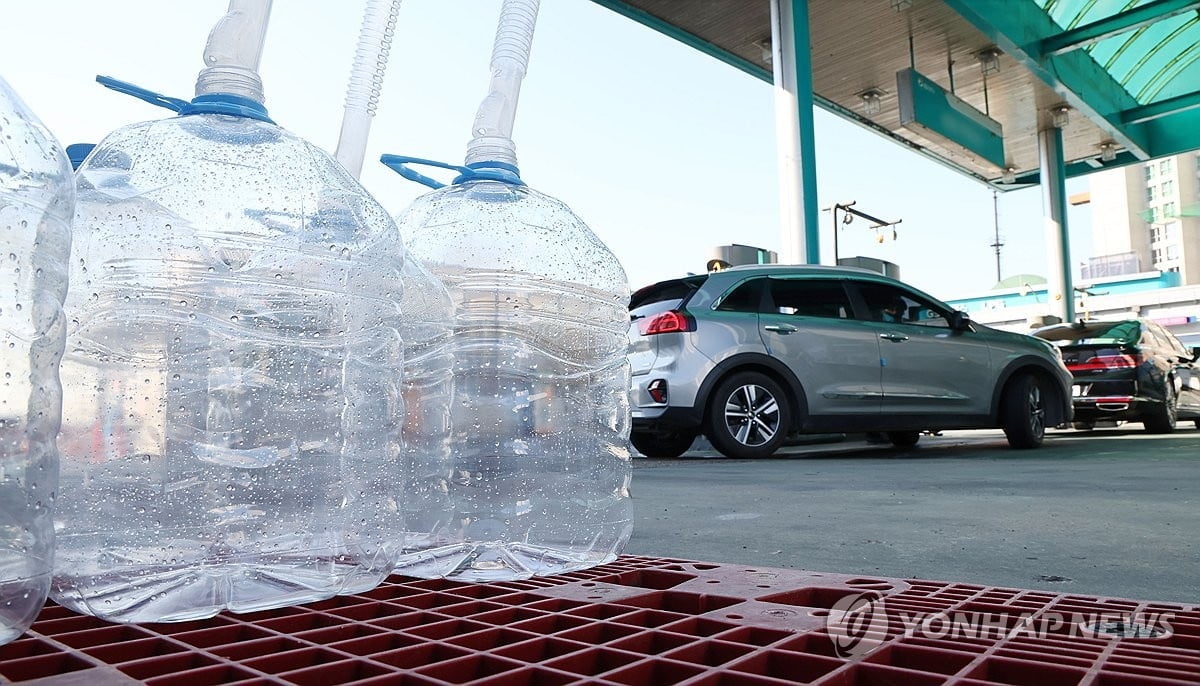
[(1147, 217)]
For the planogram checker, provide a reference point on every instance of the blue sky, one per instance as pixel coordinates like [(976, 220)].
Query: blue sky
[(664, 151)]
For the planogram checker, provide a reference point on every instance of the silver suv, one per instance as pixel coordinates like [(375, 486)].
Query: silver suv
[(749, 355)]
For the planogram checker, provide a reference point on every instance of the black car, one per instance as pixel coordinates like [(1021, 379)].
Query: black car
[(1131, 370)]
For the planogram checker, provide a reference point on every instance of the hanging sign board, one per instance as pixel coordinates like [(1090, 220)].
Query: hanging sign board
[(930, 110)]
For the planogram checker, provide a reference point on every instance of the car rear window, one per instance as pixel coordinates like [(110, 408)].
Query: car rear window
[(663, 296), (746, 297), (1095, 333)]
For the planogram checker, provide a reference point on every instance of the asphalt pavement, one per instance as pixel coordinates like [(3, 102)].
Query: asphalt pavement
[(1112, 512)]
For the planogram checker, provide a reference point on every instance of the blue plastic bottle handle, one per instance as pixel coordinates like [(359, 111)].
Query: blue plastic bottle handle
[(399, 164), (174, 104), (213, 103), (482, 171)]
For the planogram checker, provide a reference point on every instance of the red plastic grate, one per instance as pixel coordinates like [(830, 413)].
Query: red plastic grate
[(641, 620)]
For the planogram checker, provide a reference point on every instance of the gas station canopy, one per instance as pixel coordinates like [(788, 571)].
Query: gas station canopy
[(970, 83)]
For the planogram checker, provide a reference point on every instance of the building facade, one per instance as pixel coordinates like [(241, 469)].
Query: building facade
[(1147, 217)]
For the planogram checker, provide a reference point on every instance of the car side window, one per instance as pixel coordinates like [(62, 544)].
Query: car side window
[(825, 298), (745, 297), (1168, 342), (1152, 339), (886, 303)]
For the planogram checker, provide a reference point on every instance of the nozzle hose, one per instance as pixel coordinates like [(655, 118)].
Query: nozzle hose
[(366, 81), (491, 134)]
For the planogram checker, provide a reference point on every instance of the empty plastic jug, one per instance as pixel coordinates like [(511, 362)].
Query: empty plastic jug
[(37, 195), (235, 369), (540, 461), (539, 435)]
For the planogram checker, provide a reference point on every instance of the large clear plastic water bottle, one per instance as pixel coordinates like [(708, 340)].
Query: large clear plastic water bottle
[(37, 195), (539, 435), (233, 372), (428, 389)]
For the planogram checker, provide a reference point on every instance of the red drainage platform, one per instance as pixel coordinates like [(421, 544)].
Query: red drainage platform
[(640, 620)]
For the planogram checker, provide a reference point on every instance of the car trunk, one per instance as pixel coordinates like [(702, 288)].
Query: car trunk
[(644, 306), (1102, 370)]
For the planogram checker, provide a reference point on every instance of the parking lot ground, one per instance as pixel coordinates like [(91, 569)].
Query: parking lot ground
[(1111, 512)]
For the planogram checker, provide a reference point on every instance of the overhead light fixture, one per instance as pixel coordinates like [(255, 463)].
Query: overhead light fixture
[(1061, 115), (989, 59), (767, 52), (1108, 150), (1009, 175), (899, 5), (872, 100)]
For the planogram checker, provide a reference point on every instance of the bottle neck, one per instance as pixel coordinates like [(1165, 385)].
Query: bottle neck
[(491, 149), (230, 79)]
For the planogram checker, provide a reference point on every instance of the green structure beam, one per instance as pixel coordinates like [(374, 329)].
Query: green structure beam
[(1129, 20), (1173, 134), (1019, 27), (1162, 108), (685, 37), (1022, 29), (1073, 169)]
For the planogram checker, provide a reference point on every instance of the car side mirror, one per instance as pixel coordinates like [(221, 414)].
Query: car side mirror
[(960, 321), (1196, 354)]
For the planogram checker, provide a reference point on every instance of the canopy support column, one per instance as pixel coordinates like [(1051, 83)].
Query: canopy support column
[(792, 65), (1060, 287)]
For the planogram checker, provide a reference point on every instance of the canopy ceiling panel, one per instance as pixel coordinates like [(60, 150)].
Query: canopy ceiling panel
[(860, 45)]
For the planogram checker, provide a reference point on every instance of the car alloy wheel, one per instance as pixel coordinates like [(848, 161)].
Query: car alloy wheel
[(1163, 418), (752, 415), (748, 415), (1037, 411), (1024, 411)]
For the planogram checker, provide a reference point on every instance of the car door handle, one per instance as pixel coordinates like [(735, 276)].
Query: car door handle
[(781, 328), (897, 337)]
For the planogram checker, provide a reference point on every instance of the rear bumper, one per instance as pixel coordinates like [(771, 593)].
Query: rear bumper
[(1123, 408), (665, 419)]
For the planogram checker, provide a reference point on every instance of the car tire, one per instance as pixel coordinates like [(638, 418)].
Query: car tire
[(1164, 416), (1023, 408), (748, 416), (1083, 426), (904, 439), (662, 445)]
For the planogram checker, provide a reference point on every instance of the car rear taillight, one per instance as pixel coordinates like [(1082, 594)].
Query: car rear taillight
[(667, 322), (1103, 362)]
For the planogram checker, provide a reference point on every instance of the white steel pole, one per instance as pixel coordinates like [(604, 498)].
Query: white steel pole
[(791, 64)]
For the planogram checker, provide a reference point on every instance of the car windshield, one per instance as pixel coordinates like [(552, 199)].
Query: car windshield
[(1094, 333), (663, 296)]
